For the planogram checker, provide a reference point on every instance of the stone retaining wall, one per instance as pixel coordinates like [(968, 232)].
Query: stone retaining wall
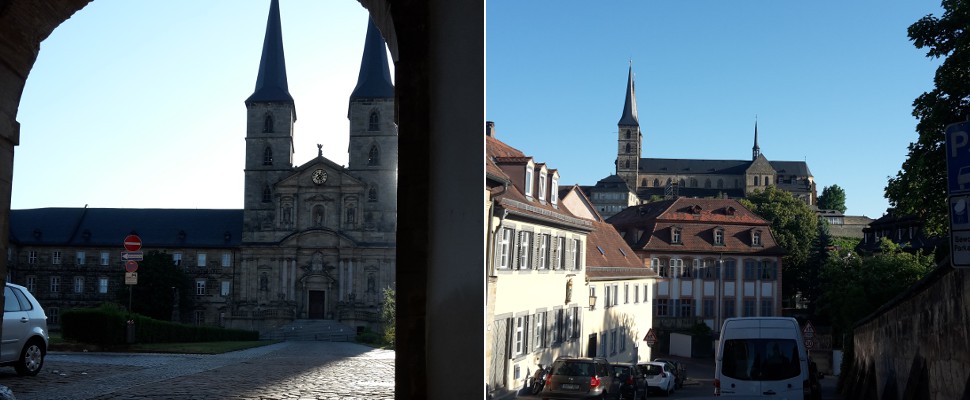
[(918, 345)]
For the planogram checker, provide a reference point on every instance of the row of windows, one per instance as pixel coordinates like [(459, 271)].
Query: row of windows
[(901, 234), (710, 269), (55, 284), (612, 341), (709, 184), (57, 258), (553, 190), (684, 308), (201, 290), (612, 297), (544, 329), (676, 236), (537, 251)]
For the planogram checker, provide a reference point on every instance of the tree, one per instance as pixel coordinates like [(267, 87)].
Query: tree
[(388, 315), (854, 287), (159, 280), (919, 188), (832, 198), (822, 249), (793, 225)]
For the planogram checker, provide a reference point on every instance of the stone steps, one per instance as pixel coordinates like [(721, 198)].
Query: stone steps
[(312, 330)]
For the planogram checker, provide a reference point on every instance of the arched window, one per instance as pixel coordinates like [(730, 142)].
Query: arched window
[(627, 133), (372, 194), (267, 195), (644, 182), (757, 181), (682, 184), (693, 182), (373, 123), (707, 184), (374, 156), (720, 183), (268, 156), (767, 181), (628, 163), (668, 181), (656, 182), (268, 124), (628, 148)]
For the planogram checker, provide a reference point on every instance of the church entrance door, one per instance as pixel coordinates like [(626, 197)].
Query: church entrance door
[(317, 301)]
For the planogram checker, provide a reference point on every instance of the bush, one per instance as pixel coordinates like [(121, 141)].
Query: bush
[(369, 337), (107, 325)]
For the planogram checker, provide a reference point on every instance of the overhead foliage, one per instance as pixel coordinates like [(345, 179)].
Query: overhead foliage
[(919, 188), (854, 287), (794, 227), (832, 198)]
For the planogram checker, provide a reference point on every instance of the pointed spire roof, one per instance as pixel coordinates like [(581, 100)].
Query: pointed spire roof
[(374, 81), (755, 151), (629, 116), (271, 81)]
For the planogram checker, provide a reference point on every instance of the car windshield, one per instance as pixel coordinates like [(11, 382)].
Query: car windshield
[(761, 359), (651, 369), (568, 368)]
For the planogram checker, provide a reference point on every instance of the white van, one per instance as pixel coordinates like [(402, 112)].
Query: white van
[(761, 357)]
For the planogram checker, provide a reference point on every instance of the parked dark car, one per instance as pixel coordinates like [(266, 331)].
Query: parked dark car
[(678, 368), (630, 380), (580, 378)]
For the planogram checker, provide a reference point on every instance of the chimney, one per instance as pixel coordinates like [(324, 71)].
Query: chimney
[(489, 129)]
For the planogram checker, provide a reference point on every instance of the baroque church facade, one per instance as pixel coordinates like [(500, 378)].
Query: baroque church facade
[(313, 241), (641, 179)]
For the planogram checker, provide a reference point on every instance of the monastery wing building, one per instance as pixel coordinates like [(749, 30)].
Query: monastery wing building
[(313, 242), (640, 179)]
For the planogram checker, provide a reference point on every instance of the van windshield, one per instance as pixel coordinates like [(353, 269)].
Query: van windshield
[(760, 359)]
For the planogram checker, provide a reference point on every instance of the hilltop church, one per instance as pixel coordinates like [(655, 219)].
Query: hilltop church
[(314, 240), (641, 179)]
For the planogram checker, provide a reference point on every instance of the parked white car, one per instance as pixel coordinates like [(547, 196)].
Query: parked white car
[(25, 335), (659, 377)]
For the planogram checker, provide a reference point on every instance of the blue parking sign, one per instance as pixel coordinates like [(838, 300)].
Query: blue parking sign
[(958, 157)]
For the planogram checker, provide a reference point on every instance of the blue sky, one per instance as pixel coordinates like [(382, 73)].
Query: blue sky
[(831, 83), (139, 104)]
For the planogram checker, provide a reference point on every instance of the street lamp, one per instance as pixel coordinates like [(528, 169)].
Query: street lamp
[(592, 301)]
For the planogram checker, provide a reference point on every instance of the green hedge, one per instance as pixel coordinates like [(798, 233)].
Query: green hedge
[(107, 325)]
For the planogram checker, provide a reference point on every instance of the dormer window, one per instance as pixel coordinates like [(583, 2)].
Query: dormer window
[(675, 235), (554, 192), (542, 187), (756, 238), (719, 236), (528, 181)]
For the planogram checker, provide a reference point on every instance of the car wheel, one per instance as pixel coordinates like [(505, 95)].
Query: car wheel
[(31, 358)]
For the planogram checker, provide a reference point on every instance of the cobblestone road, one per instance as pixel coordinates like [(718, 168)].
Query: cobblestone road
[(288, 370)]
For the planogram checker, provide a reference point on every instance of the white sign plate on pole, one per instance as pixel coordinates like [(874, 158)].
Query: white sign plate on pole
[(131, 278)]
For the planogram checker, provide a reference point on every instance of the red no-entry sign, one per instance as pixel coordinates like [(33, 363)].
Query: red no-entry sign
[(132, 243)]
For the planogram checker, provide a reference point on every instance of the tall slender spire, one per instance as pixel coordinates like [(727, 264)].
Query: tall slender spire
[(755, 151), (374, 80), (271, 81), (629, 116)]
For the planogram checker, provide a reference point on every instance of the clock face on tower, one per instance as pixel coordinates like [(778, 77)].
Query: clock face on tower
[(319, 176)]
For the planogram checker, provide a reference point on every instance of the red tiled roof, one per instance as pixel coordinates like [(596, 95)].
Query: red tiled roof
[(649, 227), (513, 199), (608, 256)]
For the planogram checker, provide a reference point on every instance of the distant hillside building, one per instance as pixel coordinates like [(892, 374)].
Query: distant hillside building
[(658, 178), (313, 241)]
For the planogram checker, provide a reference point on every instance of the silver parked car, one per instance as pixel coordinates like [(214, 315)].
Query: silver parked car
[(25, 335)]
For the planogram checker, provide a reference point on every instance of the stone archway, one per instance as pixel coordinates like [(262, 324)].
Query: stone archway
[(440, 103)]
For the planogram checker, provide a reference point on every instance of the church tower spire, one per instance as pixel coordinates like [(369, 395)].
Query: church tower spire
[(270, 115), (629, 138), (755, 150), (271, 80), (373, 143)]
